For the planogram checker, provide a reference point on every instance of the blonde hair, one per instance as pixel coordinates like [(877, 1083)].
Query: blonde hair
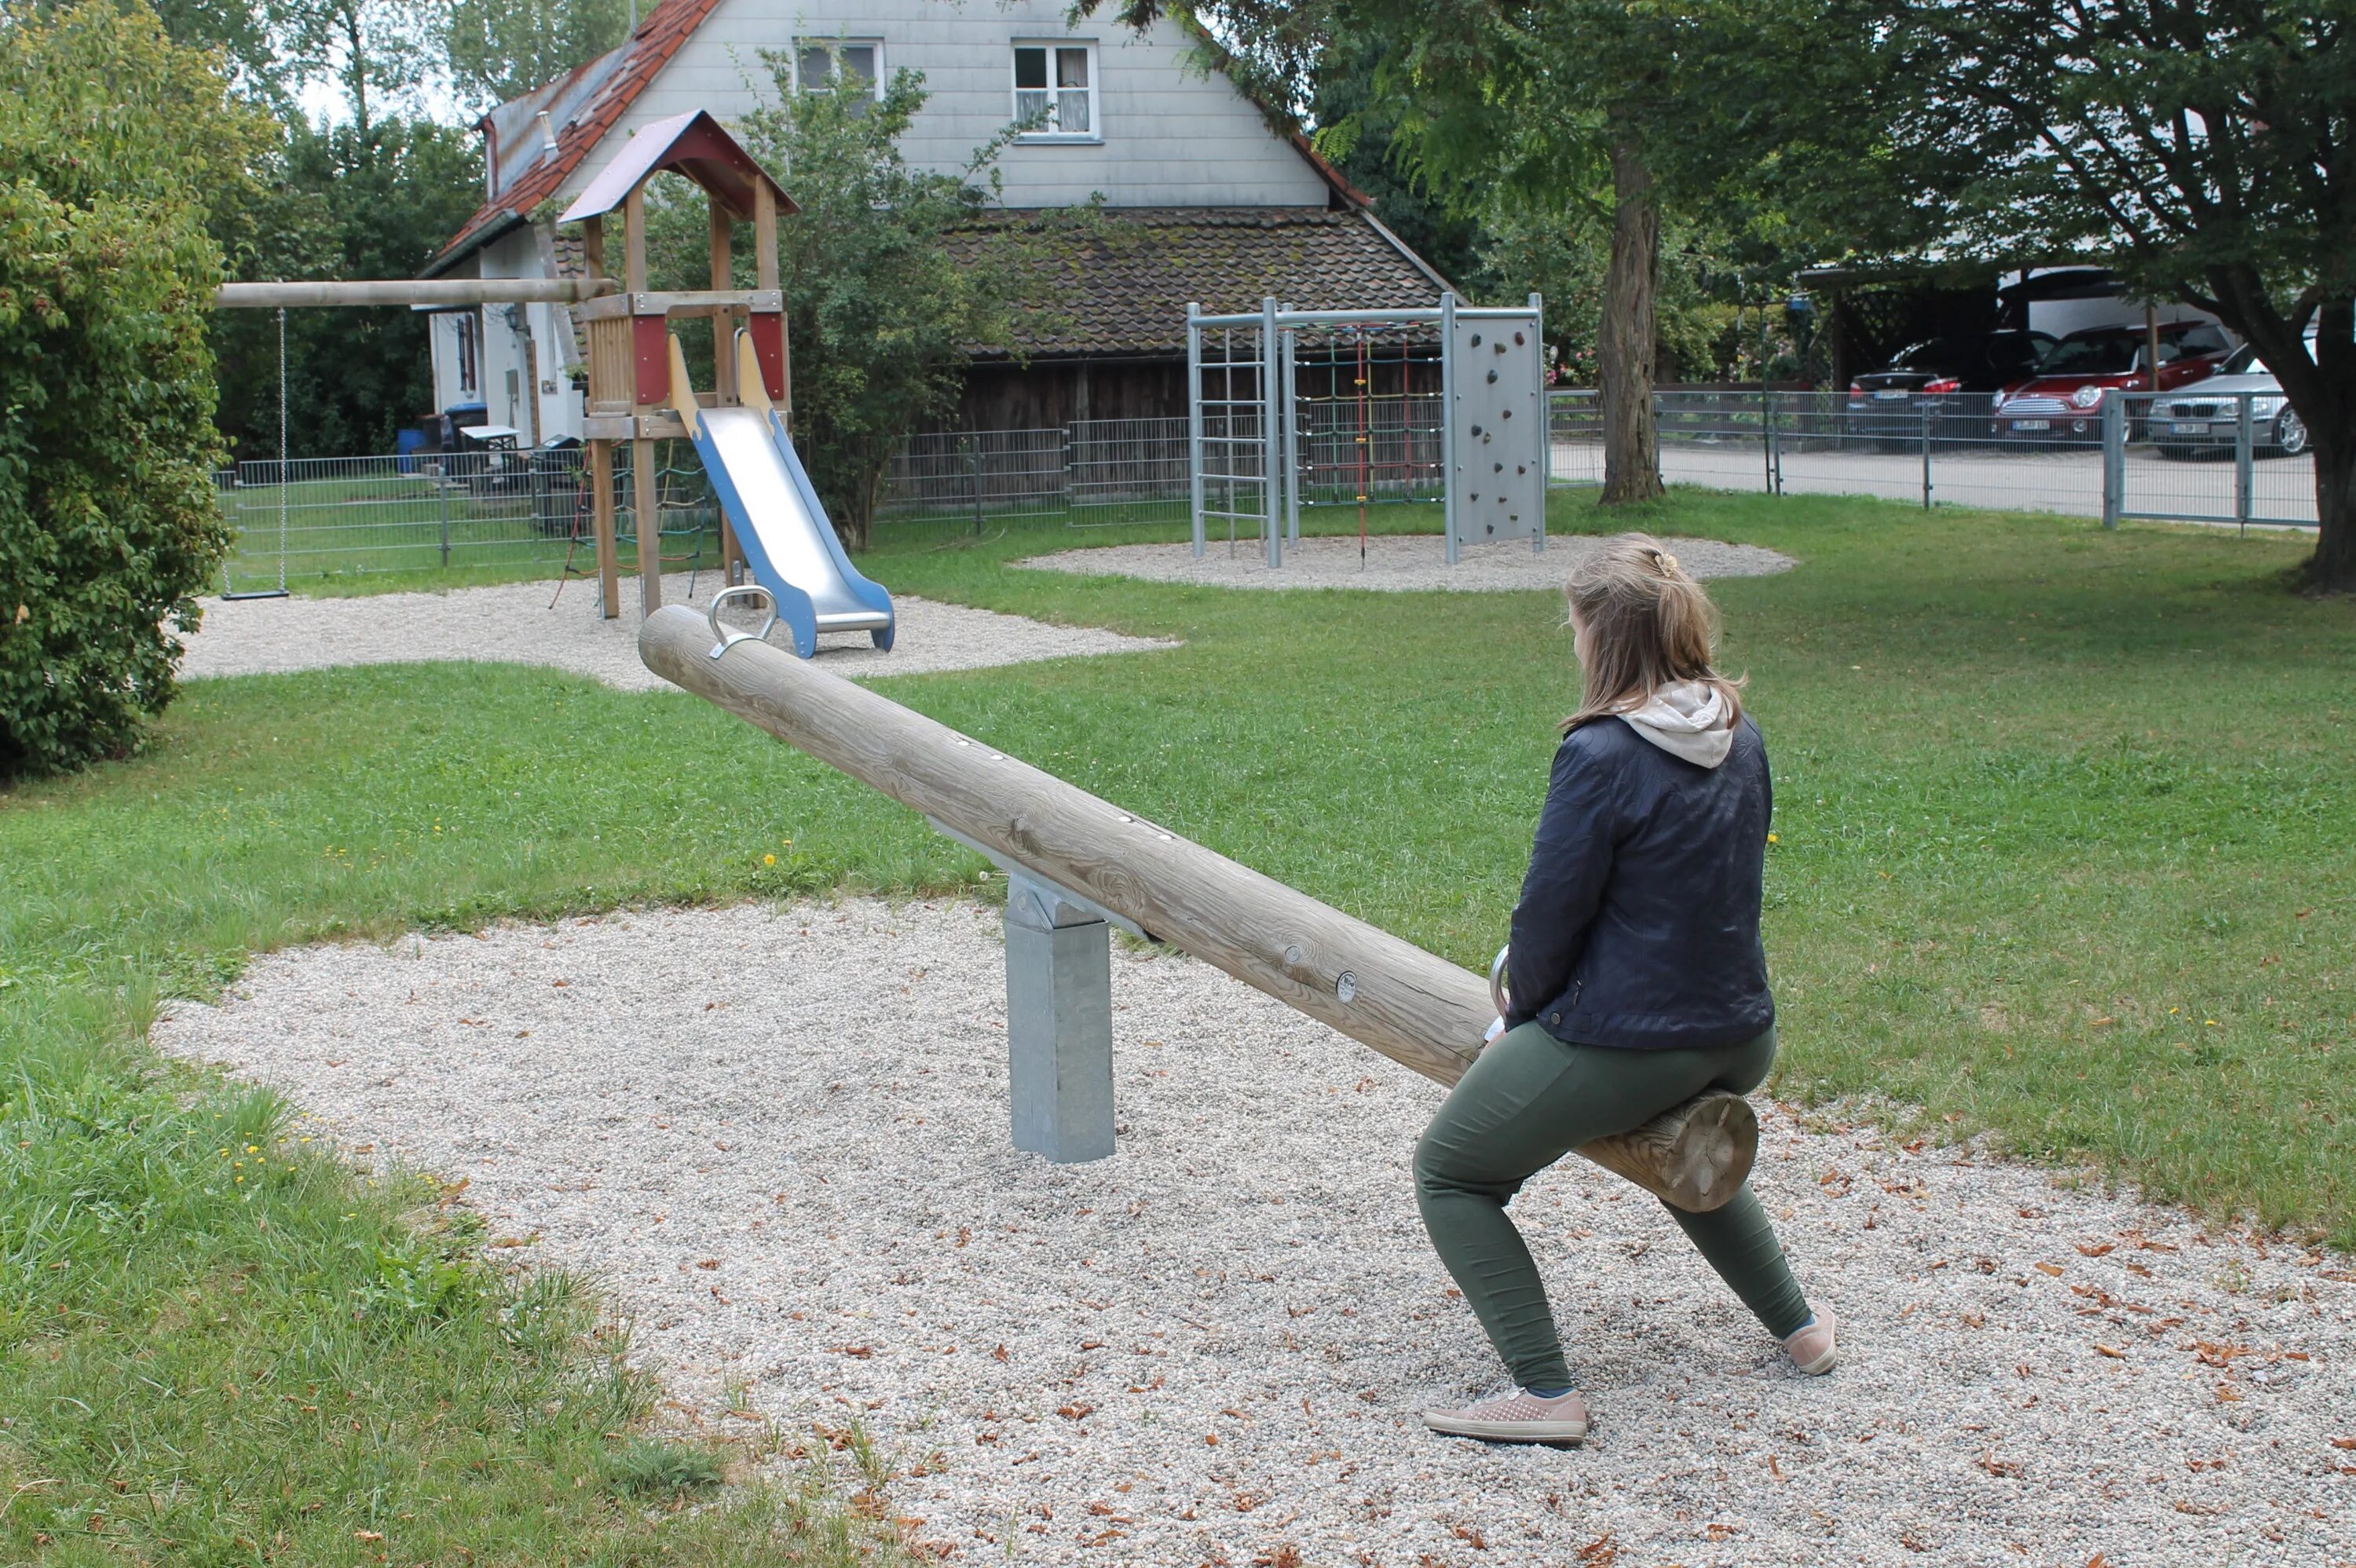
[(1643, 623)]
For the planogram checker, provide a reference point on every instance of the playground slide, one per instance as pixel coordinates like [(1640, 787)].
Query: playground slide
[(788, 541)]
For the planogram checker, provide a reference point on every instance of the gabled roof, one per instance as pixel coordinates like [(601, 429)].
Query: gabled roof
[(692, 143), (581, 105), (1123, 292)]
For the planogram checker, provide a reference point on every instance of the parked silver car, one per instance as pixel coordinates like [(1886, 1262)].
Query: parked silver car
[(2207, 417)]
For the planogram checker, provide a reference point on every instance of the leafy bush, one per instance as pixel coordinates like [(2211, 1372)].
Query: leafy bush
[(113, 142)]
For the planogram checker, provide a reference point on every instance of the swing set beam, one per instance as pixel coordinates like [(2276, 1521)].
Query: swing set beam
[(427, 292)]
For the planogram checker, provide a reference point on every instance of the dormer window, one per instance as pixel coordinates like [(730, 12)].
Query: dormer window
[(1056, 92), (839, 65)]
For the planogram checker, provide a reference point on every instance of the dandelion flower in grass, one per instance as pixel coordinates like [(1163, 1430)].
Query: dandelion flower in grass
[(768, 859), (1774, 838)]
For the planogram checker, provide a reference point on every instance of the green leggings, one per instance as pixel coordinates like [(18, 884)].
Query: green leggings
[(1528, 1101)]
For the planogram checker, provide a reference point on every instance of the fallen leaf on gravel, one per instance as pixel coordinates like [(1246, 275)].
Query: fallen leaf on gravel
[(2003, 1469), (2216, 1355), (2344, 1442), (2096, 1251), (2102, 1349), (1600, 1553), (1074, 1411), (2053, 1269), (707, 1262), (998, 1354), (860, 1351)]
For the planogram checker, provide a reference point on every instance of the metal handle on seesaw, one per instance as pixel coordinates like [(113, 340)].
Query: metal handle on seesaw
[(1498, 978), (726, 637)]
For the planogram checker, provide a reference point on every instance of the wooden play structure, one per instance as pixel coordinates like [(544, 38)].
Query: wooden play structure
[(628, 324), (630, 355), (1076, 864)]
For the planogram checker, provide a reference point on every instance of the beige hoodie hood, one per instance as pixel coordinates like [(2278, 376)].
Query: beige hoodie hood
[(1688, 719)]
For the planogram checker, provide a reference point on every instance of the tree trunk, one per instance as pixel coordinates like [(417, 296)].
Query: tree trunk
[(1625, 347), (2332, 567)]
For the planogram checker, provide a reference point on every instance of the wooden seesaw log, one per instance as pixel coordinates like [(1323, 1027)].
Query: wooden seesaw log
[(1412, 1006)]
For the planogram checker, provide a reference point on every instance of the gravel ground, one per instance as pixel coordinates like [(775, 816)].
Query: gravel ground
[(1396, 563), (780, 1137), (512, 623)]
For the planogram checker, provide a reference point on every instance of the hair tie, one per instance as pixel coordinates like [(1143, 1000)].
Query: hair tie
[(1664, 560)]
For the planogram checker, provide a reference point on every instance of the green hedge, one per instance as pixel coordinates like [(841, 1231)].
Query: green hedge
[(109, 524)]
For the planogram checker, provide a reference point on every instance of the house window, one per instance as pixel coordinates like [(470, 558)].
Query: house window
[(850, 65), (468, 330), (1056, 92)]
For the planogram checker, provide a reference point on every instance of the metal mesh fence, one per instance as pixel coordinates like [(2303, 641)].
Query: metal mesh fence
[(331, 520), (2170, 455), (2227, 458)]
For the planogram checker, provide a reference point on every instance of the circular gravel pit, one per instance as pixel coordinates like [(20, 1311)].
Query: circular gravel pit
[(780, 1137), (514, 623), (1394, 564)]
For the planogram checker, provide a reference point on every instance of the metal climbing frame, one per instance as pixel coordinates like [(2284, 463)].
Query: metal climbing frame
[(1361, 405), (1232, 421)]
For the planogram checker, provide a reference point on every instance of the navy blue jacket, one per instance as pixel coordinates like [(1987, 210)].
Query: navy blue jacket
[(1638, 924)]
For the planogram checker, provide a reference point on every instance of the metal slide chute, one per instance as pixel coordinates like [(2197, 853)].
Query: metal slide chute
[(789, 543)]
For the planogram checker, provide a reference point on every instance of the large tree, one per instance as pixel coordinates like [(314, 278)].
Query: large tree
[(2207, 147), (1505, 100), (498, 50)]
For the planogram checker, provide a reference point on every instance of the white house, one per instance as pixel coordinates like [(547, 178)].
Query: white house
[(1230, 204)]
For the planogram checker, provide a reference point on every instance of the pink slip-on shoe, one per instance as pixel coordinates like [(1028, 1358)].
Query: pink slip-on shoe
[(1812, 1349), (1520, 1416)]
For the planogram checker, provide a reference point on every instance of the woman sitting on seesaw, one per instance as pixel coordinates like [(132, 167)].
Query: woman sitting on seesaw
[(1636, 980)]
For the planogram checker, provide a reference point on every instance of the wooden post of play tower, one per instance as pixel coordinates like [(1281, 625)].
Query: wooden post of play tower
[(629, 332)]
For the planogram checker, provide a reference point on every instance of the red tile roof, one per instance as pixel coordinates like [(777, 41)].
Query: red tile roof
[(583, 104)]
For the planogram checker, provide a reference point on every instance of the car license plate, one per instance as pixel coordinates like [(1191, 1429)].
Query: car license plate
[(1891, 395), (2032, 425), (2188, 427)]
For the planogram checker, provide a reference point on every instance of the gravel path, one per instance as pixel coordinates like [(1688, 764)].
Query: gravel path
[(513, 622), (1394, 563), (780, 1137)]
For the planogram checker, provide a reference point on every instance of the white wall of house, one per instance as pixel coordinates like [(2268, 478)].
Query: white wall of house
[(523, 355), (1164, 133)]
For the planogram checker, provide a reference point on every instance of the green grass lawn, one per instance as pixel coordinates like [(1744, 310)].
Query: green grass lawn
[(2063, 855)]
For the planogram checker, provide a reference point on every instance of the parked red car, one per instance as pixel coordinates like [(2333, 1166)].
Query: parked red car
[(2064, 397)]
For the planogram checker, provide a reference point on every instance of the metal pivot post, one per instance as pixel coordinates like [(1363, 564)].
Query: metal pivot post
[(1058, 1022)]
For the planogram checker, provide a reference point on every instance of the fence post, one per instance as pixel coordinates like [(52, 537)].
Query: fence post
[(2244, 453), (2114, 458), (1926, 457), (1194, 424), (1272, 443), (441, 492), (1767, 435), (974, 466), (1447, 464)]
